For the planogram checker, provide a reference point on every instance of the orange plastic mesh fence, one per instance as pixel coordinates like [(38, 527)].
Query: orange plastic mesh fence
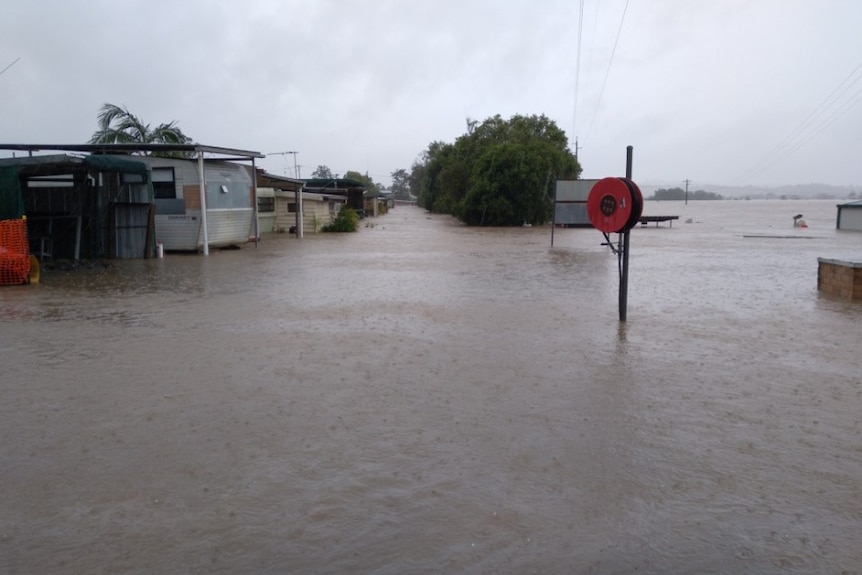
[(14, 252)]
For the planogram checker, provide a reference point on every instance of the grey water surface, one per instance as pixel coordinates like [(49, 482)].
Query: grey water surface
[(423, 397)]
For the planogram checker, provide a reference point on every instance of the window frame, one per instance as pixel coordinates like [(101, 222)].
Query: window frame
[(160, 186)]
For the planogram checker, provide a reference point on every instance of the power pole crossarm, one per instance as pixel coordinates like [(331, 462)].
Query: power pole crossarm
[(293, 153)]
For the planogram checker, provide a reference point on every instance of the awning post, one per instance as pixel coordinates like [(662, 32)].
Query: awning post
[(300, 213), (203, 186), (254, 204)]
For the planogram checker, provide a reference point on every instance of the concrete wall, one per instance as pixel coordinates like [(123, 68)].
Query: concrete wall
[(840, 278)]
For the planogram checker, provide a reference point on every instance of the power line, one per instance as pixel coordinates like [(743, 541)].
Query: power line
[(813, 124), (776, 153), (825, 124), (577, 75), (608, 71), (295, 167), (15, 61)]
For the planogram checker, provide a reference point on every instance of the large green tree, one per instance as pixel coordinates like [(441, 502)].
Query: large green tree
[(500, 172), (429, 178), (117, 125)]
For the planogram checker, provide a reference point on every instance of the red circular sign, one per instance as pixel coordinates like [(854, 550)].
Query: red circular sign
[(609, 205)]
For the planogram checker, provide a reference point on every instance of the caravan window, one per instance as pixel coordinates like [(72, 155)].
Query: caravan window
[(266, 204), (164, 186)]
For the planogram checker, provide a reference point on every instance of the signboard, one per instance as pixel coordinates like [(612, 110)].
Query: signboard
[(570, 203)]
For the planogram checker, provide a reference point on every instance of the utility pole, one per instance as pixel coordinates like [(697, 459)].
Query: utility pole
[(687, 182), (295, 167), (295, 171), (577, 147)]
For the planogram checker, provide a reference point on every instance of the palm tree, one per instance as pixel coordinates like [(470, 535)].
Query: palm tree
[(119, 126)]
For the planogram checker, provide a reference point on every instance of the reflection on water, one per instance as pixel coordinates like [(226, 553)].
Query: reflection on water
[(424, 397)]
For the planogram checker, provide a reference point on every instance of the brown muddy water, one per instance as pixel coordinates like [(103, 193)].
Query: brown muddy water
[(421, 397)]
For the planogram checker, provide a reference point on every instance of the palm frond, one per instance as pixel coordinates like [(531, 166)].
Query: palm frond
[(116, 125), (169, 134), (108, 113)]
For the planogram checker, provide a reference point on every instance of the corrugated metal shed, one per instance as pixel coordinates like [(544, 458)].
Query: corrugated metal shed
[(850, 216), (95, 206)]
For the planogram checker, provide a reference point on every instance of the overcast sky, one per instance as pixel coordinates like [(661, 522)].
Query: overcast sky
[(730, 92)]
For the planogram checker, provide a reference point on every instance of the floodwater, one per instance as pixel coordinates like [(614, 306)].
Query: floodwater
[(421, 397)]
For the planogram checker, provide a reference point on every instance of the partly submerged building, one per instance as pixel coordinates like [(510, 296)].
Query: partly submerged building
[(80, 206), (353, 191), (230, 200), (121, 200), (276, 212), (850, 216)]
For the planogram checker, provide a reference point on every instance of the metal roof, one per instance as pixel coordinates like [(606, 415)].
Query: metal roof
[(268, 180), (338, 183), (129, 148), (54, 164), (46, 159)]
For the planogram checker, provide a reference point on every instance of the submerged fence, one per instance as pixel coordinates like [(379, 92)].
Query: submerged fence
[(14, 252)]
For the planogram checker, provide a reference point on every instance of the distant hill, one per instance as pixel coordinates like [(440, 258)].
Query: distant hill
[(789, 192)]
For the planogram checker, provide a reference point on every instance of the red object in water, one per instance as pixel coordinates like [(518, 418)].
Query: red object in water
[(14, 252)]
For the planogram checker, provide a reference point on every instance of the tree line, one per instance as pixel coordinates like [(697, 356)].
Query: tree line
[(669, 194)]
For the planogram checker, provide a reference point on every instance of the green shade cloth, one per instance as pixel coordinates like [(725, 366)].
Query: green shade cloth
[(115, 164), (11, 200)]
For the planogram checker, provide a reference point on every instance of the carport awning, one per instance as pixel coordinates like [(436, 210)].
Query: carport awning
[(115, 164)]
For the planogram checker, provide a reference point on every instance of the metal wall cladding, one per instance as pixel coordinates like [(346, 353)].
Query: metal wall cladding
[(570, 202), (129, 227), (228, 227), (185, 233), (850, 217), (228, 185)]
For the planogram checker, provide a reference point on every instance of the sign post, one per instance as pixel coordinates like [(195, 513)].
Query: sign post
[(615, 206), (624, 275)]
